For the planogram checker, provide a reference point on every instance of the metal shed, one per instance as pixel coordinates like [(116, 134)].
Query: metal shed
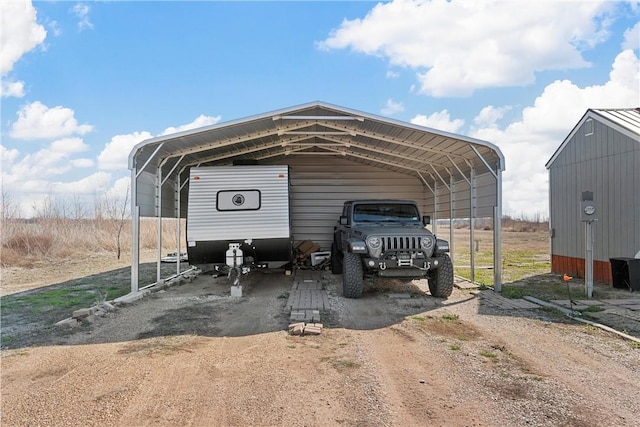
[(600, 155), (334, 154)]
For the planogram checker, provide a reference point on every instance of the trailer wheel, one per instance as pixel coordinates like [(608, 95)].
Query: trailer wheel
[(336, 260), (352, 276), (441, 279)]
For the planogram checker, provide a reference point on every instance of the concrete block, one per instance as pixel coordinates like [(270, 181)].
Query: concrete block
[(82, 313), (131, 297), (293, 325), (107, 306), (68, 323), (298, 329), (312, 330), (236, 291)]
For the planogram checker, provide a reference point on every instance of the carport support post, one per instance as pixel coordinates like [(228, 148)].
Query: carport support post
[(159, 207), (178, 251), (452, 185), (472, 208), (497, 235), (135, 233)]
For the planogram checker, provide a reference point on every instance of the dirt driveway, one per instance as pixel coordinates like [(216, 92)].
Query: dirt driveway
[(193, 356)]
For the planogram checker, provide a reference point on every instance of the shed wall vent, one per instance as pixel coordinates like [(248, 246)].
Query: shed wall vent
[(588, 127)]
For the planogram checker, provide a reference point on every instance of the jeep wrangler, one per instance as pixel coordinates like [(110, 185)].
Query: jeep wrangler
[(389, 239)]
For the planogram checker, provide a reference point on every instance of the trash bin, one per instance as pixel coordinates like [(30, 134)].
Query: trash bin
[(626, 273)]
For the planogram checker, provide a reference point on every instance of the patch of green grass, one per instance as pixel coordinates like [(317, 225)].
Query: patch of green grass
[(514, 292), (449, 317), (488, 354), (56, 298), (345, 364), (5, 339), (635, 345), (590, 328), (454, 347), (419, 318)]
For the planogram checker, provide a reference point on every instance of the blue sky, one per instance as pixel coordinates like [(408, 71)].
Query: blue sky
[(83, 82)]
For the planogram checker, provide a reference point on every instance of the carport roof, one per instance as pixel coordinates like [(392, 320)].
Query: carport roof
[(318, 128)]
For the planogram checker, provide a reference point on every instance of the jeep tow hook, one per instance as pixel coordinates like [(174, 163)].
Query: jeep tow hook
[(383, 266)]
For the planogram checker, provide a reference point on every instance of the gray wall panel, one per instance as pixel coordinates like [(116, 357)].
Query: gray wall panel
[(607, 163), (320, 185)]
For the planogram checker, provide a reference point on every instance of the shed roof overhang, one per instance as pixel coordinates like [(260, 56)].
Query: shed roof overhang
[(319, 128)]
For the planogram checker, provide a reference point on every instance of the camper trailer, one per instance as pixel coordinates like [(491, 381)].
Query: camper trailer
[(238, 218)]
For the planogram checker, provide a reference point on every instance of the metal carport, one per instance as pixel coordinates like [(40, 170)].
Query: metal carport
[(459, 177)]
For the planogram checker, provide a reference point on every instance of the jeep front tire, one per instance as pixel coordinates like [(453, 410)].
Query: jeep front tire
[(352, 276), (441, 279)]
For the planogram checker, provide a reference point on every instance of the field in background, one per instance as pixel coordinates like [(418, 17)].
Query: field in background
[(524, 254), (525, 245), (27, 242)]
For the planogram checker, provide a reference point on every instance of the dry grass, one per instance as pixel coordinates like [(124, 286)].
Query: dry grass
[(25, 242)]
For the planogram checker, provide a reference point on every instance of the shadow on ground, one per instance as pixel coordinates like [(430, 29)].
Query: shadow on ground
[(205, 307)]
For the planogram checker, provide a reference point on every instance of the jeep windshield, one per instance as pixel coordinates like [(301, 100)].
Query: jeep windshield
[(383, 212)]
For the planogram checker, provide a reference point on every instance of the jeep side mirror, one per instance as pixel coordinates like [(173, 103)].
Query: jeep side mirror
[(344, 220), (426, 220)]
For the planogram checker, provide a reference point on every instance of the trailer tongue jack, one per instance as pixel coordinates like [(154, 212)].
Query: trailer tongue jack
[(235, 263)]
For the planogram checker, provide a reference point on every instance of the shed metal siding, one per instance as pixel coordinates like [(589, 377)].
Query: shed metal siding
[(606, 162), (320, 186)]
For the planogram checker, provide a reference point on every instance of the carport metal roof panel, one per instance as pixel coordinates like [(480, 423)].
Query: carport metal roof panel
[(318, 128)]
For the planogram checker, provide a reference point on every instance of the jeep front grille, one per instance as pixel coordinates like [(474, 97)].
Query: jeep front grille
[(411, 243)]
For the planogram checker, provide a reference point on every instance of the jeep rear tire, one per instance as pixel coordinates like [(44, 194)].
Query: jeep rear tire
[(441, 279), (336, 260), (352, 276)]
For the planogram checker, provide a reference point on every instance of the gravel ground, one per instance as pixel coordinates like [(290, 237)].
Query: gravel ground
[(194, 356)]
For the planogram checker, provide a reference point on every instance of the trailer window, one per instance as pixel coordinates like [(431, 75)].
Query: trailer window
[(238, 200)]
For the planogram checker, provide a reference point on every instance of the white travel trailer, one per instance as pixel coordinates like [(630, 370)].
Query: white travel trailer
[(238, 218)]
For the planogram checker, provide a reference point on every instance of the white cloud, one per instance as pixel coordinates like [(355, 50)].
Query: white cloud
[(459, 46), (632, 38), (11, 88), (36, 120), (69, 145), (199, 121), (529, 143), (81, 11), (82, 163), (489, 116), (392, 74), (392, 107), (93, 184), (116, 153), (440, 121), (7, 157), (20, 32)]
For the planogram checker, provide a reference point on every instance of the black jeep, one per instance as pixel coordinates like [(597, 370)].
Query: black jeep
[(388, 238)]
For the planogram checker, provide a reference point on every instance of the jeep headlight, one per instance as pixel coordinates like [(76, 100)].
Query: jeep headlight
[(375, 246), (428, 243), (374, 242)]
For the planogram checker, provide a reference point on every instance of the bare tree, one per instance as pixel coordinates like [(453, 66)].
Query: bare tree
[(113, 211), (9, 208)]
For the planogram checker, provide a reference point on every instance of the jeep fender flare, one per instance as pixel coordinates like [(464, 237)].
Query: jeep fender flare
[(356, 246)]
